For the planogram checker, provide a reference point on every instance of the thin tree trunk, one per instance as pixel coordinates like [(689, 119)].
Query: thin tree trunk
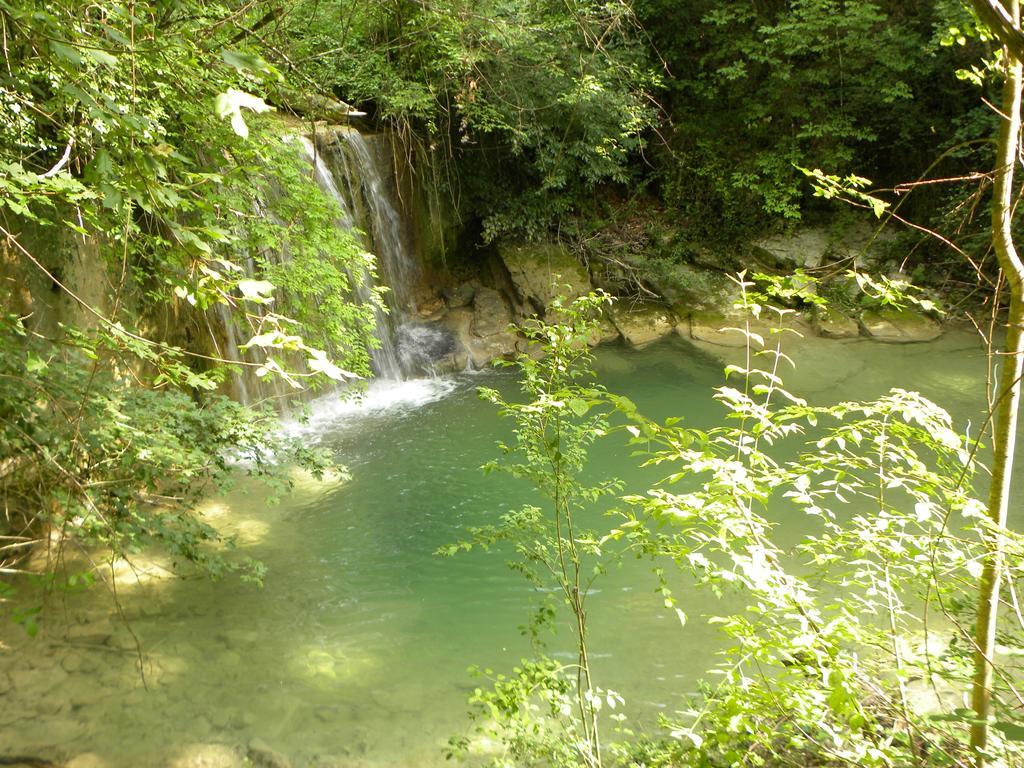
[(1007, 396)]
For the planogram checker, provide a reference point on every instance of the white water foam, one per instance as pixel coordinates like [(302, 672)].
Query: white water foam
[(382, 397)]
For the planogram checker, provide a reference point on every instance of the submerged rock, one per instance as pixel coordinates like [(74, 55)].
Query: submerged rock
[(207, 756), (87, 760), (262, 755), (899, 326)]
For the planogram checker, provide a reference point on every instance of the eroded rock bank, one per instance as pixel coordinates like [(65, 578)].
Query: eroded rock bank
[(475, 318)]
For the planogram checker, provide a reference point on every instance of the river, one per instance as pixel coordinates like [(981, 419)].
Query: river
[(358, 644)]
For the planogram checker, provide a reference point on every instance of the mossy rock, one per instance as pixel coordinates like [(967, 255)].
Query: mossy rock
[(542, 271), (899, 326), (829, 323), (727, 329), (642, 324), (691, 286)]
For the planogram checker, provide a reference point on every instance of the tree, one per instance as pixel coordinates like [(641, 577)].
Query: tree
[(132, 144), (1007, 403)]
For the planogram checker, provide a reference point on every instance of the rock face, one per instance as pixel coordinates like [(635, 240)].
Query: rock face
[(899, 326), (642, 324), (542, 271), (810, 247)]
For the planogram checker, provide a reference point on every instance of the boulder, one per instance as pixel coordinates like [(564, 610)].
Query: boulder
[(430, 307), (542, 271), (692, 287), (490, 313), (809, 247), (726, 329), (896, 326), (496, 346), (604, 332), (832, 324), (460, 296), (643, 323), (429, 348), (207, 756), (803, 249)]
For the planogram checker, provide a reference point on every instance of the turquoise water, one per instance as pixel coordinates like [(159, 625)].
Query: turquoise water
[(357, 646)]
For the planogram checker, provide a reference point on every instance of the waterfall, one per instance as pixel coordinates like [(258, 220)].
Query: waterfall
[(357, 172), (384, 358), (365, 164)]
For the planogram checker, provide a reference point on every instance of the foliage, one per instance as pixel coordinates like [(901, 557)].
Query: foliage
[(134, 150), (830, 639), (533, 104), (839, 637), (546, 713), (761, 88), (93, 456)]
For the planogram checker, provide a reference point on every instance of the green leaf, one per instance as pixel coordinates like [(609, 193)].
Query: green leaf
[(578, 406), (67, 53), (244, 62), (101, 57), (1012, 731)]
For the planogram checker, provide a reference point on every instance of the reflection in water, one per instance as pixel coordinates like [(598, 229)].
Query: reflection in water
[(357, 645)]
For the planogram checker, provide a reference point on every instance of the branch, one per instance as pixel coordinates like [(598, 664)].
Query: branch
[(998, 20)]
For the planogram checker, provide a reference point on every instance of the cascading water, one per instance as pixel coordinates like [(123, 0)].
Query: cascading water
[(385, 358), (356, 171), (364, 164)]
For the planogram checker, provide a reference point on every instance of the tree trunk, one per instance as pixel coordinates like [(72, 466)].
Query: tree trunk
[(1004, 428)]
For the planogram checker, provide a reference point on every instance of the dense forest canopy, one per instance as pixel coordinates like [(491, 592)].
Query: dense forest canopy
[(171, 229)]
